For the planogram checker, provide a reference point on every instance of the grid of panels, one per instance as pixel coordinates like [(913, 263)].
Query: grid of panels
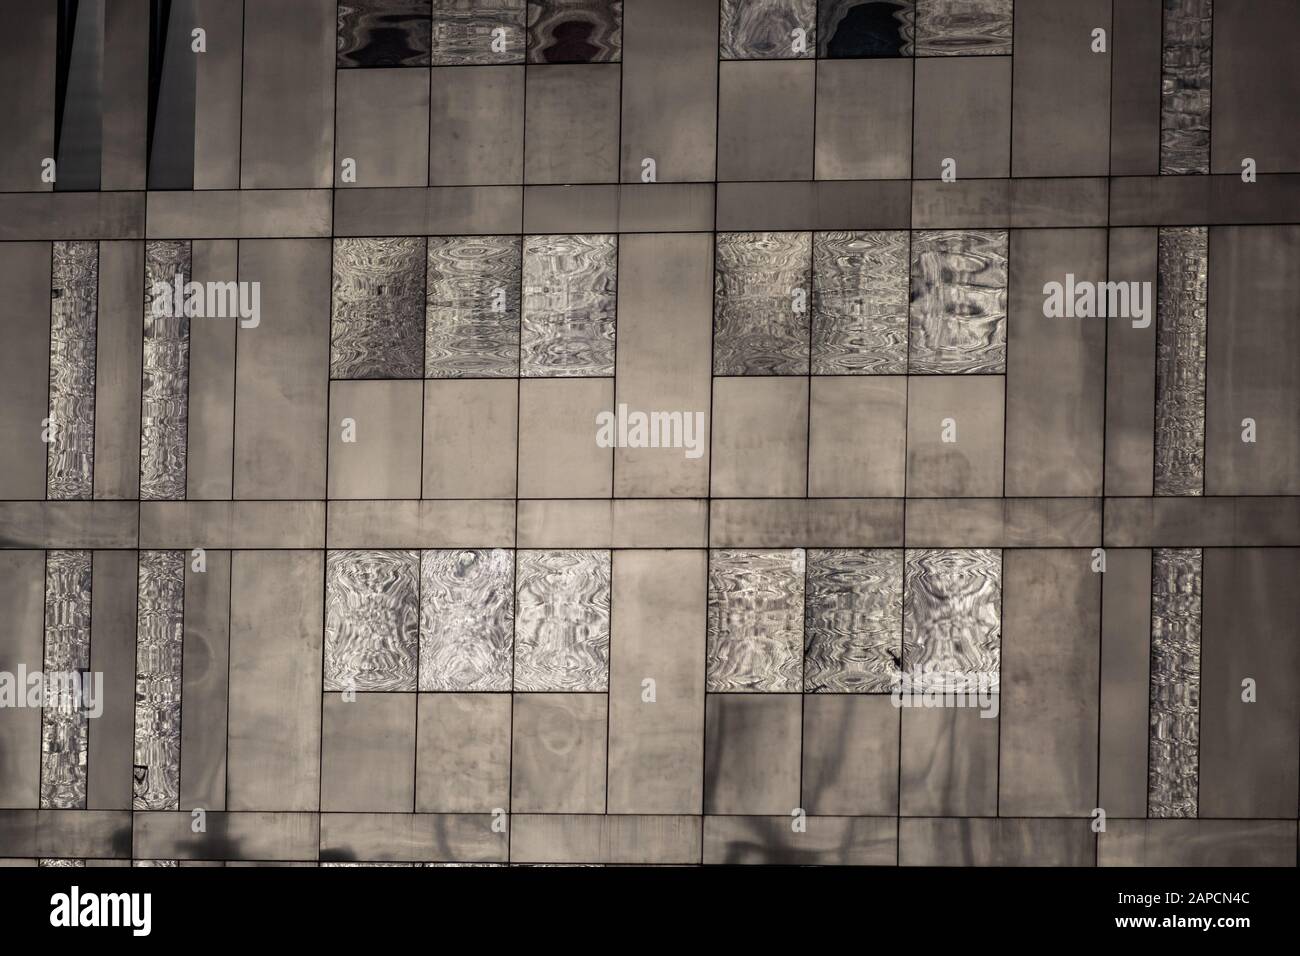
[(583, 432)]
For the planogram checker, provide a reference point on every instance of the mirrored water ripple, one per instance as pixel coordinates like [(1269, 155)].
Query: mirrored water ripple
[(64, 724), (762, 29), (377, 312), (463, 32), (1181, 312), (853, 628), (569, 302), (74, 296), (467, 605), (372, 620), (160, 629), (963, 27), (959, 301), (562, 622), (1174, 747), (761, 311), (472, 326), (952, 618), (1186, 74), (756, 620), (860, 297), (164, 415)]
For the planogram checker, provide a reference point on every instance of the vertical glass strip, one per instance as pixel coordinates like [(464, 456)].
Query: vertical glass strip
[(66, 664), (1180, 361), (1185, 86), (160, 629), (165, 400), (1173, 765), (70, 455)]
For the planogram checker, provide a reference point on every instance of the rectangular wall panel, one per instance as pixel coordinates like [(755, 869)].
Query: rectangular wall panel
[(206, 688), (1250, 721), (864, 137), (22, 591), (211, 428), (1125, 682), (27, 69), (217, 100), (172, 66), (1051, 629), (476, 123), (125, 94), (1055, 368), (1135, 88), (79, 94), (25, 269), (276, 630), (1253, 346), (655, 749), (288, 59), (282, 371), (669, 90), (113, 614), (662, 361), (118, 363), (1131, 368), (1060, 125), (1255, 79)]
